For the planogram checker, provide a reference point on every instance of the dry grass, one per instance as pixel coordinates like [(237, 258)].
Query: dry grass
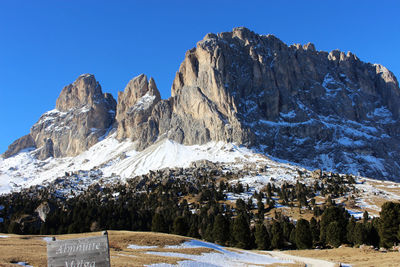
[(393, 190), (32, 249), (293, 213), (29, 249), (355, 256)]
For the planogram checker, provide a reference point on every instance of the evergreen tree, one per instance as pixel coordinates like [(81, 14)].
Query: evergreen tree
[(241, 206), (314, 227), (43, 229), (194, 231), (365, 217), (287, 228), (333, 234), (334, 214), (221, 229), (241, 231), (209, 233), (292, 238), (261, 237), (14, 228), (359, 234), (180, 226), (350, 230), (372, 234), (303, 234), (261, 210), (276, 235), (389, 224), (158, 224), (269, 190), (317, 211)]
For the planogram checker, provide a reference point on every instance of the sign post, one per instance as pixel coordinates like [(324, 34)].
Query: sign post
[(82, 252)]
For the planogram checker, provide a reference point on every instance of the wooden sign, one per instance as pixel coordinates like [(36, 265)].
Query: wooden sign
[(81, 252)]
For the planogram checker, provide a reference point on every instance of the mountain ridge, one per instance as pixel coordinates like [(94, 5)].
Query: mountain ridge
[(295, 103)]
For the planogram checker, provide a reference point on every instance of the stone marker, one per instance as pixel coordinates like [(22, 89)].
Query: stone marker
[(81, 252)]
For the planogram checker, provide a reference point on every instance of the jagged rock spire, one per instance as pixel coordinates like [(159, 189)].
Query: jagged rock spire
[(135, 105), (83, 114)]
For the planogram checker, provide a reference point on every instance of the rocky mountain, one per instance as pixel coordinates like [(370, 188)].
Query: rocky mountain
[(314, 108), (83, 115), (134, 108)]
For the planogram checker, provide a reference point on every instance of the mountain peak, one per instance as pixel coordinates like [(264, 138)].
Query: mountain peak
[(318, 109), (135, 105), (311, 107), (137, 88), (83, 114), (83, 91)]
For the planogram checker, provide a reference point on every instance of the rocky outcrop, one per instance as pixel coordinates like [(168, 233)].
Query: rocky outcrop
[(82, 116), (22, 143), (329, 111), (319, 109), (46, 151), (134, 108), (43, 210)]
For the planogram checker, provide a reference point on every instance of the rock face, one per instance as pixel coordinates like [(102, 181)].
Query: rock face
[(83, 114), (43, 210), (188, 118), (24, 142), (134, 108), (321, 110)]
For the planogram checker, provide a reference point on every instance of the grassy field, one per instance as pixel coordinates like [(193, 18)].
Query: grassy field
[(354, 256), (32, 250)]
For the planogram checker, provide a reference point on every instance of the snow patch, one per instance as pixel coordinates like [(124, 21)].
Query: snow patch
[(141, 247), (355, 214), (289, 115), (114, 160), (22, 263), (196, 244), (143, 103), (222, 257), (85, 109)]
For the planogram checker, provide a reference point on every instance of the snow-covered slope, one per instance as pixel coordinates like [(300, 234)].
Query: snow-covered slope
[(115, 160), (111, 161), (219, 256)]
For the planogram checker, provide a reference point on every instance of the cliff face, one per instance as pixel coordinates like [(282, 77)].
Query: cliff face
[(134, 108), (83, 114), (319, 109)]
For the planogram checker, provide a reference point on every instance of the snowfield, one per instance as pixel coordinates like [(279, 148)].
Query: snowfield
[(221, 256), (114, 159)]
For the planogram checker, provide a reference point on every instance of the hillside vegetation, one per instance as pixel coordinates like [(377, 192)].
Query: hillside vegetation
[(210, 204)]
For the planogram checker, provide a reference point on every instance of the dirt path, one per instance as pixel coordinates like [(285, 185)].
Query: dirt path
[(310, 262)]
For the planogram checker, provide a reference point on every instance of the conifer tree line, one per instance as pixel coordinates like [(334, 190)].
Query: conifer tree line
[(199, 209)]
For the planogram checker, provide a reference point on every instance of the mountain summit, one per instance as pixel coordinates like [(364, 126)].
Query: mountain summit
[(314, 108), (83, 114)]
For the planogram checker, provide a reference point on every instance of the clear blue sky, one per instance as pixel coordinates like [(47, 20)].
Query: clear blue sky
[(45, 45)]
